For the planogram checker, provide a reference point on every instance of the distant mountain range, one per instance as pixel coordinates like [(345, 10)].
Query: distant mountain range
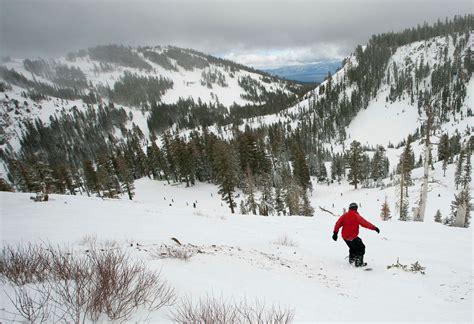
[(310, 73)]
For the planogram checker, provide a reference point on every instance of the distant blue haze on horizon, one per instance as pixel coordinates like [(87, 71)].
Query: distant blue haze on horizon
[(308, 73)]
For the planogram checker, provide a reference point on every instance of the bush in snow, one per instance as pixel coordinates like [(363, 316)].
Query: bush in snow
[(214, 310), (4, 185), (182, 252), (415, 267), (56, 284), (285, 241), (22, 264)]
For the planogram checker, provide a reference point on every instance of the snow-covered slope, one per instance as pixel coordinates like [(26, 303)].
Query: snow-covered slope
[(242, 257), (207, 79), (384, 121), (187, 82)]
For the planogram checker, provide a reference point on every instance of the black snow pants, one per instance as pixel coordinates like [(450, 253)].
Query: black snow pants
[(356, 251)]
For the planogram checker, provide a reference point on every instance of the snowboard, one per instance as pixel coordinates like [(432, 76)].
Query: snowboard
[(363, 267)]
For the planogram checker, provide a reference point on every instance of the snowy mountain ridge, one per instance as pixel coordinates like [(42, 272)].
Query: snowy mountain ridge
[(33, 88), (186, 69)]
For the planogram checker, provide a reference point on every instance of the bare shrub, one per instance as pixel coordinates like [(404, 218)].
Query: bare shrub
[(24, 264), (285, 241), (181, 252), (31, 302), (415, 267), (259, 313), (72, 295), (121, 286), (91, 242), (213, 310), (80, 286)]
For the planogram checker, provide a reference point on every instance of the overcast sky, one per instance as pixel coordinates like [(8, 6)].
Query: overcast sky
[(260, 33)]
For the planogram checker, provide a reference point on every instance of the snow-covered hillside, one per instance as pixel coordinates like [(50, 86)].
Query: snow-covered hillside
[(385, 121), (193, 75), (287, 261), (187, 81)]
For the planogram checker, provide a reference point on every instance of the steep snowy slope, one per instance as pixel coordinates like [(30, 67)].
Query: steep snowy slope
[(286, 261), (402, 116), (385, 120)]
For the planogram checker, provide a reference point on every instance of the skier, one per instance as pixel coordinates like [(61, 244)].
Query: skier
[(350, 222)]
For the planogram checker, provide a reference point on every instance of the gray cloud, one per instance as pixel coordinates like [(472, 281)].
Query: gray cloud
[(292, 30)]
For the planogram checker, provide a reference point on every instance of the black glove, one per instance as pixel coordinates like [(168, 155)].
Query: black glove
[(377, 230), (334, 236)]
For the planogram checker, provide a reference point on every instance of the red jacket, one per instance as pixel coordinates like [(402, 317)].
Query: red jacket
[(350, 222)]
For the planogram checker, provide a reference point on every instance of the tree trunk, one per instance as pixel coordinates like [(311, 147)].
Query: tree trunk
[(402, 183), (231, 201), (420, 214), (461, 215), (420, 211)]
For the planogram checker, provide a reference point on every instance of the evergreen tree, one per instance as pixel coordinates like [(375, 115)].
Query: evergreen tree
[(467, 172), (300, 168), (23, 176), (90, 176), (322, 172), (226, 172), (459, 169), (404, 168), (306, 209), (461, 206), (201, 164), (406, 164), (292, 198), (337, 167), (379, 165), (139, 158), (168, 153), (124, 175), (355, 161), (444, 152), (267, 203), (385, 211), (279, 202), (249, 190), (63, 180), (183, 159), (107, 178), (438, 218), (44, 180), (402, 206)]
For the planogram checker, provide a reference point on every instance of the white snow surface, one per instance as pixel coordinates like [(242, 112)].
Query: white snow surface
[(381, 123), (241, 259)]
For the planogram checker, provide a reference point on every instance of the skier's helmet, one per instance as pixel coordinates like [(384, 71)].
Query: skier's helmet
[(353, 206)]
